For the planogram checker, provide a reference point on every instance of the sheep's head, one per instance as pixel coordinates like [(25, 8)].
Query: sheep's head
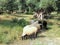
[(40, 23)]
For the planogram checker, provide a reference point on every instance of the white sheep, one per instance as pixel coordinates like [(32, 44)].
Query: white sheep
[(36, 24), (31, 29)]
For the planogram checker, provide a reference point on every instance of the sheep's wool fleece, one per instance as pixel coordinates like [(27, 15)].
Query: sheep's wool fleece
[(36, 24), (29, 30)]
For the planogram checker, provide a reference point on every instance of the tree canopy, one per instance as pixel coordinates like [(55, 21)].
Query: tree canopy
[(28, 5)]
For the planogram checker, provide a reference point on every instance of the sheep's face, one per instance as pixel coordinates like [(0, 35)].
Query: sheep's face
[(40, 23), (44, 24)]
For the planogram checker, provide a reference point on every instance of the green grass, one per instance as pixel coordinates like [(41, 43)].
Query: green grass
[(54, 30), (10, 31)]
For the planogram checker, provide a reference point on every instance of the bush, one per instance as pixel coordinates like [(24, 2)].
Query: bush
[(58, 18), (23, 22), (14, 20)]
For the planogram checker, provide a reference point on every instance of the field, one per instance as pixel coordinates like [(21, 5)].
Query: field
[(10, 31)]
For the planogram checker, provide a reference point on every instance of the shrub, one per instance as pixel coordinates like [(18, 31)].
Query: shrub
[(23, 22), (14, 20)]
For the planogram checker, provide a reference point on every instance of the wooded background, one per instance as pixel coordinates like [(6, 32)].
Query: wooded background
[(28, 6)]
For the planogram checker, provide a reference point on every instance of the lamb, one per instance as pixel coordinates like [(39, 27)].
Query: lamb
[(30, 30)]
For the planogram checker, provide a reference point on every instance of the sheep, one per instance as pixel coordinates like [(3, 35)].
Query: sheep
[(32, 21), (45, 24), (30, 30), (37, 24)]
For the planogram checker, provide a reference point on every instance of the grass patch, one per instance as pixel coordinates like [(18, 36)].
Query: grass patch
[(9, 34), (11, 30)]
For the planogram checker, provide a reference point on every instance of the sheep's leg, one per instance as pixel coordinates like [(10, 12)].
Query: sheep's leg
[(31, 36), (35, 35), (22, 37), (41, 26), (25, 37)]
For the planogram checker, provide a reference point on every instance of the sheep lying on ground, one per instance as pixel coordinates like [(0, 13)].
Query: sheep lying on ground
[(30, 30)]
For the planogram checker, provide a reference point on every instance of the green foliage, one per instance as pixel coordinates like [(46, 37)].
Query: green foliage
[(11, 5), (23, 22), (14, 20), (46, 3), (22, 4), (58, 5), (28, 6)]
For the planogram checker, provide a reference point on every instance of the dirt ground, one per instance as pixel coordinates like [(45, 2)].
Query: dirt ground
[(42, 39)]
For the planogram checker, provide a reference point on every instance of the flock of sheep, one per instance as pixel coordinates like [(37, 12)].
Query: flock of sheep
[(31, 31)]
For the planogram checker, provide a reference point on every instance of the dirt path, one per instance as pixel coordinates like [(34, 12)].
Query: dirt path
[(40, 40)]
